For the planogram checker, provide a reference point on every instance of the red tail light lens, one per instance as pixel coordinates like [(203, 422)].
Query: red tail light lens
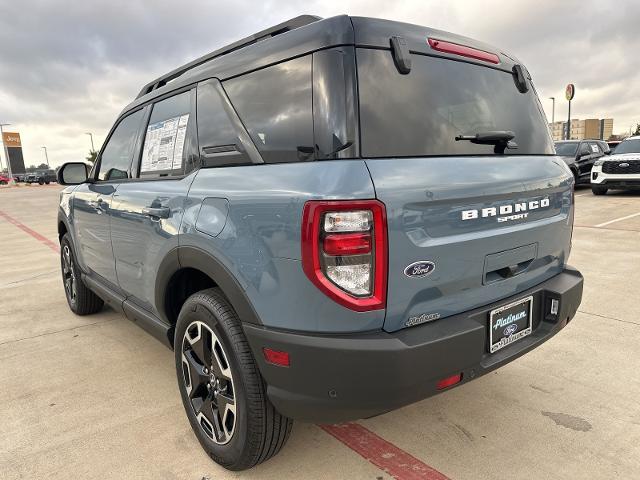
[(463, 50), (344, 251), (347, 244)]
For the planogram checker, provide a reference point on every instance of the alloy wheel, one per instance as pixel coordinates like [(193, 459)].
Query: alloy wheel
[(209, 382), (68, 274)]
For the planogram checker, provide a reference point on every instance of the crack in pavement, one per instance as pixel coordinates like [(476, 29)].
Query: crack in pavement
[(57, 331), (609, 318), (32, 277)]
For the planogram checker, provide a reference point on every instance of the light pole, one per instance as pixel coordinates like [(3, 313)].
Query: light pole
[(553, 109), (46, 157), (91, 137), (6, 153)]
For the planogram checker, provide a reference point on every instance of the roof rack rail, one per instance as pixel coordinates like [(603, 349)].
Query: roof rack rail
[(283, 27)]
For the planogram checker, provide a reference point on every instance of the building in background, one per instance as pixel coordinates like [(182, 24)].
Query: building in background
[(14, 149), (606, 127), (581, 129)]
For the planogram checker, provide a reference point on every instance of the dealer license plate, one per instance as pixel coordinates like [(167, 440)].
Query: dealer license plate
[(510, 323)]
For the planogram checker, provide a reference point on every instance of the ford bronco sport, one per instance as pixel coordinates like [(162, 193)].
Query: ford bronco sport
[(326, 221)]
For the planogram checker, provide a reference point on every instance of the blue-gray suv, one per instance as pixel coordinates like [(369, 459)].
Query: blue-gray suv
[(326, 221)]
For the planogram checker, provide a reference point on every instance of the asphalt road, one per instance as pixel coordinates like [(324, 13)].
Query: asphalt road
[(96, 397)]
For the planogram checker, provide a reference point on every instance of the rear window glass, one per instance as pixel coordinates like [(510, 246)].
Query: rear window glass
[(421, 113), (567, 148), (275, 106)]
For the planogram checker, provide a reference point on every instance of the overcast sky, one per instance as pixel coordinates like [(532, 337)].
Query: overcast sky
[(67, 68)]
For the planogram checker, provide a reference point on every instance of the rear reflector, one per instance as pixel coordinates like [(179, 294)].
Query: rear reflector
[(276, 357), (449, 381), (462, 50), (347, 244)]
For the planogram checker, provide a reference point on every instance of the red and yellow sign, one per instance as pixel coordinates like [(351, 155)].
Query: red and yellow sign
[(570, 91), (11, 139)]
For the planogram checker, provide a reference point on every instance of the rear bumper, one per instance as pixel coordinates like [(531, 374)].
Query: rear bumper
[(346, 377)]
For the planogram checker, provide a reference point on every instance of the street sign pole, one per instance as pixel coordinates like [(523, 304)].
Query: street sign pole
[(6, 154), (569, 93)]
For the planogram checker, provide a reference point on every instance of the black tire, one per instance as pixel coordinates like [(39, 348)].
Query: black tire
[(599, 190), (41, 182), (257, 431), (81, 300), (47, 182)]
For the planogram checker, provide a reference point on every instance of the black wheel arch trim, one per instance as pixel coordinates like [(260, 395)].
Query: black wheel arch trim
[(196, 258)]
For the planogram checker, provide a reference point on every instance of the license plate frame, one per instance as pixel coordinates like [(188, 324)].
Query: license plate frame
[(503, 340)]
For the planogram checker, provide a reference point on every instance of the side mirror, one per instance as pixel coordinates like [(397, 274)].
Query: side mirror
[(73, 173)]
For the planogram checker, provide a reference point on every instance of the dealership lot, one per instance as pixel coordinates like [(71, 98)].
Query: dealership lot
[(96, 397)]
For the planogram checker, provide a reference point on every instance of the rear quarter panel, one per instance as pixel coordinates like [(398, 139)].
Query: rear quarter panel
[(260, 242)]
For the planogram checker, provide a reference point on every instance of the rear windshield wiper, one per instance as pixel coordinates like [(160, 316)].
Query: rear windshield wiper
[(500, 138)]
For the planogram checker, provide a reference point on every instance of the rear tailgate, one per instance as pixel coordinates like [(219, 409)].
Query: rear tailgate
[(479, 224), (478, 260)]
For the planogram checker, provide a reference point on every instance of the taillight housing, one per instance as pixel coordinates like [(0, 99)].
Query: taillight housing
[(344, 251)]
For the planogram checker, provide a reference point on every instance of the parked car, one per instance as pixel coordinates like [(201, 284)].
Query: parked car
[(4, 179), (613, 144), (621, 170), (345, 228), (18, 177), (41, 177), (580, 156)]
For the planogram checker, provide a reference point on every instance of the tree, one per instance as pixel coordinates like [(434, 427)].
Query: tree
[(637, 132), (43, 166), (92, 156)]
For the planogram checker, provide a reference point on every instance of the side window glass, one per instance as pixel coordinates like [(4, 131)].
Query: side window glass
[(584, 149), (163, 152), (275, 105), (219, 142), (117, 154)]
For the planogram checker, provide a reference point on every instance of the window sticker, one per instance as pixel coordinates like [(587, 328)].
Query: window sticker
[(164, 144), (594, 148)]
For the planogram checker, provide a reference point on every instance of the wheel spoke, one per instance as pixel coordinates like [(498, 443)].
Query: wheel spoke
[(227, 411), (209, 411), (197, 378), (219, 364), (202, 346)]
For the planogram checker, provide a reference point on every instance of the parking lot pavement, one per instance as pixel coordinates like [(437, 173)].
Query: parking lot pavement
[(96, 397)]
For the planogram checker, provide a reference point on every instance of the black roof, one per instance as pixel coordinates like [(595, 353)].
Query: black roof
[(303, 35)]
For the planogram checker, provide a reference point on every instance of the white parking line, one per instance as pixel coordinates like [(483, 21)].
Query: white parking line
[(617, 220)]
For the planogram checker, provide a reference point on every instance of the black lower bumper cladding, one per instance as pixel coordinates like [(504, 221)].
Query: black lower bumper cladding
[(334, 378)]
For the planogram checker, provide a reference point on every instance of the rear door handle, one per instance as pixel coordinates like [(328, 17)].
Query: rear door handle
[(157, 212)]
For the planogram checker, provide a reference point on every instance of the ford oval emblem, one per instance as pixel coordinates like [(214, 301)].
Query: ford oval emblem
[(510, 330), (419, 269), (623, 165)]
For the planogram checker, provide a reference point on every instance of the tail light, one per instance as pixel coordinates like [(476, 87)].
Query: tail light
[(344, 251)]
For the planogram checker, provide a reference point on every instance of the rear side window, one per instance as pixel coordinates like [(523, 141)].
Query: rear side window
[(165, 139), (118, 152), (421, 113), (217, 136), (275, 105)]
